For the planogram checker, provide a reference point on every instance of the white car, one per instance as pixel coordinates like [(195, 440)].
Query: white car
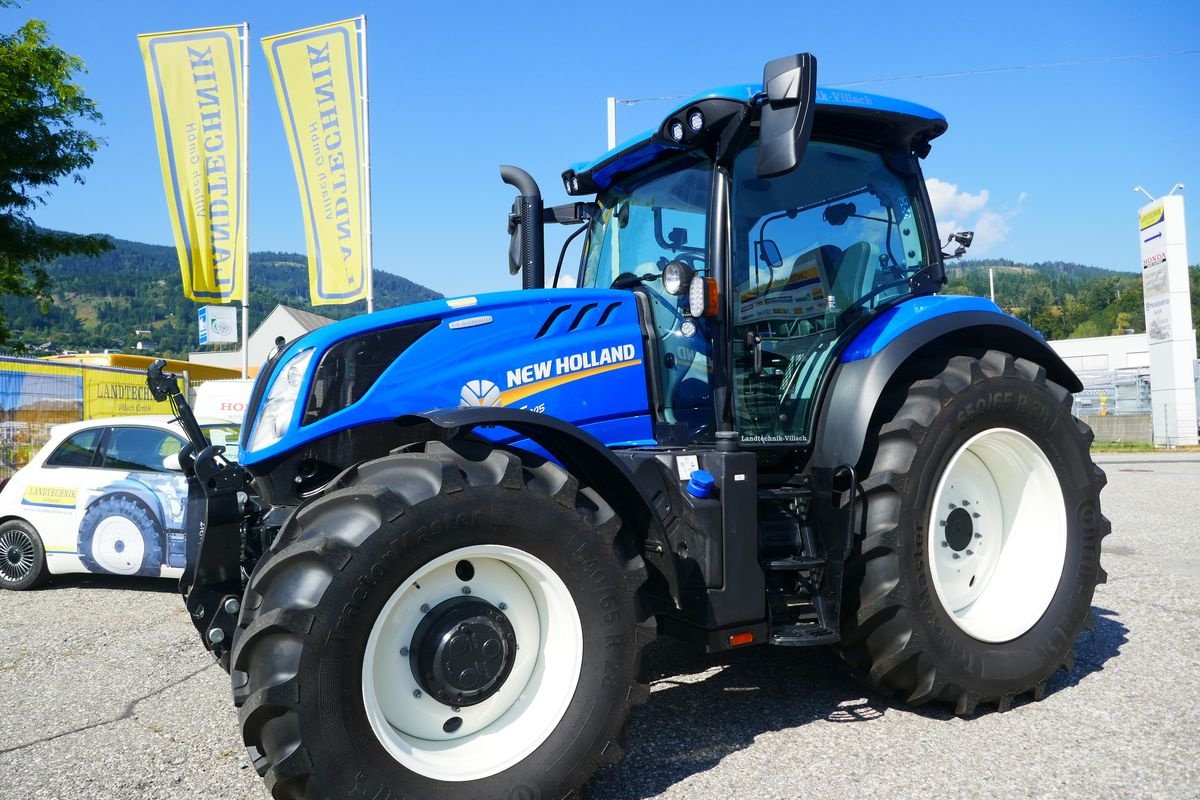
[(104, 496)]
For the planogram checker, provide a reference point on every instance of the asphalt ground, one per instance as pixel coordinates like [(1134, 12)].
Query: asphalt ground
[(106, 693)]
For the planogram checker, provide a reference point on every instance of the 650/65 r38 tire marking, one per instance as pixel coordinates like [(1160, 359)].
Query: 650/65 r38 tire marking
[(462, 622), (980, 535)]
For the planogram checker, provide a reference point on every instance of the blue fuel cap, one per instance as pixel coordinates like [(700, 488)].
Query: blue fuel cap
[(701, 484)]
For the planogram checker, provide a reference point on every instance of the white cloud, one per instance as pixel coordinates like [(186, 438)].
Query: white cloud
[(949, 202), (963, 211), (991, 228)]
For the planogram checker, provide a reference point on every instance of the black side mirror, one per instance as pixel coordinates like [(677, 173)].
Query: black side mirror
[(790, 84), (768, 251)]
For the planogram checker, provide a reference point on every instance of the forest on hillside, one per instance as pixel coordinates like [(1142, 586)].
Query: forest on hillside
[(100, 302), (1063, 300)]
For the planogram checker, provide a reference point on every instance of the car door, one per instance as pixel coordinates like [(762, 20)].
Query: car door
[(133, 504), (49, 498)]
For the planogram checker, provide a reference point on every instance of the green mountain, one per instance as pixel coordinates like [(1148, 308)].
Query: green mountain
[(1061, 299), (100, 302)]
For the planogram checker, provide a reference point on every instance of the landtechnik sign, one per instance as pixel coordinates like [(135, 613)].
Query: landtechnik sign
[(1169, 330)]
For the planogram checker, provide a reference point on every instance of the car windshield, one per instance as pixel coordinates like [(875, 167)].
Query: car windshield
[(226, 435)]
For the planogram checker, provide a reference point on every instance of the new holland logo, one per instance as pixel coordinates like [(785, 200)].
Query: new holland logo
[(480, 393), (551, 373)]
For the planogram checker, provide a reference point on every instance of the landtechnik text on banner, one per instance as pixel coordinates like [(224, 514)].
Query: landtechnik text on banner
[(196, 95), (318, 80)]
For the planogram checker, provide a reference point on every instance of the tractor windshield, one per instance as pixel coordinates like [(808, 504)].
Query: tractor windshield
[(653, 217), (813, 250), (648, 220)]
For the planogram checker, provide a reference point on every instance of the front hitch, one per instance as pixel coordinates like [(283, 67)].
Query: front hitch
[(212, 578)]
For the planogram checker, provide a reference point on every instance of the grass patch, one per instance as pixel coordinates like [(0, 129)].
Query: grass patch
[(1123, 447), (1138, 447)]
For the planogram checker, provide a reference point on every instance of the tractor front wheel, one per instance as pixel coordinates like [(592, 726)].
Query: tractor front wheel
[(980, 540), (461, 622)]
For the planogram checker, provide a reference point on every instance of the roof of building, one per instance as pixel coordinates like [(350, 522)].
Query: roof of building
[(306, 319)]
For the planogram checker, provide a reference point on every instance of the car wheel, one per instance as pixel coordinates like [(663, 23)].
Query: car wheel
[(22, 557)]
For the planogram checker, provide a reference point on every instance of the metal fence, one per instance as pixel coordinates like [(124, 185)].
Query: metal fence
[(36, 395), (1113, 392)]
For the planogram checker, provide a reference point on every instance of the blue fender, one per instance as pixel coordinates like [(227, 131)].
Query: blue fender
[(909, 329)]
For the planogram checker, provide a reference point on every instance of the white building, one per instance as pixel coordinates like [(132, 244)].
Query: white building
[(1105, 352), (282, 321)]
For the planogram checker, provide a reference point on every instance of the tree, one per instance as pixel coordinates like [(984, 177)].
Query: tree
[(41, 143)]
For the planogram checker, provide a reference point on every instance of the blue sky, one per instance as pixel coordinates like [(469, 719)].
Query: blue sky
[(1040, 161)]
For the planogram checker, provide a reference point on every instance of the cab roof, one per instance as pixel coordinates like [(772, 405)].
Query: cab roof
[(840, 114)]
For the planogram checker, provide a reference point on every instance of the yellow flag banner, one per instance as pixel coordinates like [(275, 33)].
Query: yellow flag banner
[(195, 80), (318, 82)]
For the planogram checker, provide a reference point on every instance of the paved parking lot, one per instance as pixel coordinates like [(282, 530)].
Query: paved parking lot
[(105, 693)]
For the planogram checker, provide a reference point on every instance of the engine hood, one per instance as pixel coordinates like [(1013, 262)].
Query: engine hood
[(576, 354)]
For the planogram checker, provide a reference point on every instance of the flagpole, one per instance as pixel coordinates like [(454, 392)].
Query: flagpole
[(366, 171), (244, 199)]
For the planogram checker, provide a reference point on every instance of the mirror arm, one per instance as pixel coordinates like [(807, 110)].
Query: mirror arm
[(569, 213)]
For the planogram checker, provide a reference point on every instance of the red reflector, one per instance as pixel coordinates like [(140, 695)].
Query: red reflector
[(746, 637)]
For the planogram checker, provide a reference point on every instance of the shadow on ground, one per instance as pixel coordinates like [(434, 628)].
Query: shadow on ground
[(691, 723), (88, 580)]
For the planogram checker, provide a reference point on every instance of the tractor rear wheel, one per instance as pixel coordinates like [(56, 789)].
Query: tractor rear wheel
[(981, 529), (461, 622)]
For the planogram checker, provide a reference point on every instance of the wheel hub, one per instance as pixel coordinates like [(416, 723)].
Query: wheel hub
[(959, 529), (463, 651), (998, 535)]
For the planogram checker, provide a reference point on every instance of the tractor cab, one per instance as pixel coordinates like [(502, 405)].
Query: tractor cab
[(752, 271)]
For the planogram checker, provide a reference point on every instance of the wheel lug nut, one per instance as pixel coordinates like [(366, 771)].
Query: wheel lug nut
[(425, 608), (945, 544), (466, 590), (404, 652), (956, 556), (970, 552), (979, 536), (503, 606), (952, 506), (417, 693), (976, 514)]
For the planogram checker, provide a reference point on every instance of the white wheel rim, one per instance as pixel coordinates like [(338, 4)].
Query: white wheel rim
[(506, 727), (117, 545), (998, 535)]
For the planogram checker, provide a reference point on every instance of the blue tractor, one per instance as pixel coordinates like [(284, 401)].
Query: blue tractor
[(752, 421)]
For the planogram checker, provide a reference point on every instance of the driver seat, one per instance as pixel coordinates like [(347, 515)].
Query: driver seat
[(856, 274)]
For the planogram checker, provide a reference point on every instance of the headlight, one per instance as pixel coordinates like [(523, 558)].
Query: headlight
[(676, 278), (272, 421)]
